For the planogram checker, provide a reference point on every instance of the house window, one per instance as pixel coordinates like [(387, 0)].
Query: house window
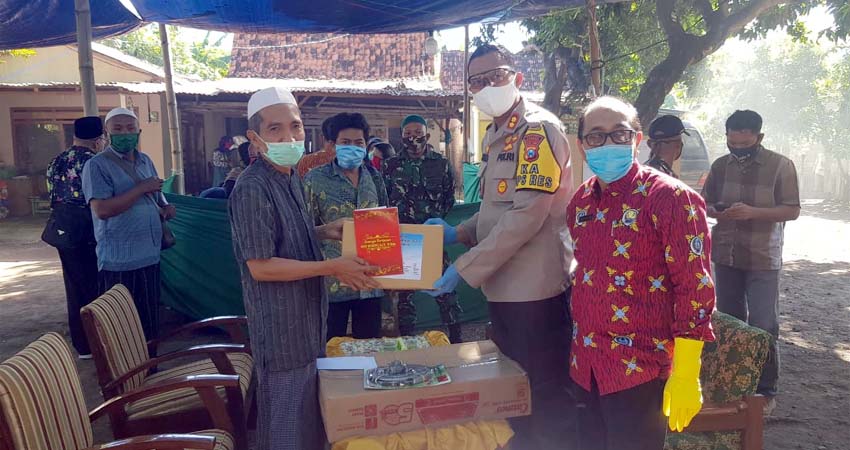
[(38, 135), (37, 143)]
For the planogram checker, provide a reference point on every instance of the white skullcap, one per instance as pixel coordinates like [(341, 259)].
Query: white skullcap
[(268, 97), (120, 112)]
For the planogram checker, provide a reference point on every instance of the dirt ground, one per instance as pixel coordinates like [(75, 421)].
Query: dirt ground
[(813, 410)]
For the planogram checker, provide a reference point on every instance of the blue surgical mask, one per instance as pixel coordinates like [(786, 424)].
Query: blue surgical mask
[(610, 162), (350, 156), (285, 153)]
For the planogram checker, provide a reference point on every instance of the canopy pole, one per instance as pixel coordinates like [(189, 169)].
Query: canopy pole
[(82, 11), (595, 52), (467, 130), (171, 113)]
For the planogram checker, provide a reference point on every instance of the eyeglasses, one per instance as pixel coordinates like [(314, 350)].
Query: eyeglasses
[(496, 77), (598, 138)]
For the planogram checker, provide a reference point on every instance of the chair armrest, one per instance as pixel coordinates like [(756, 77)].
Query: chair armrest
[(234, 326), (216, 352), (160, 442), (205, 385), (720, 417)]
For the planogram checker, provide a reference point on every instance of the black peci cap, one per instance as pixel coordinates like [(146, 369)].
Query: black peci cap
[(666, 127), (88, 128)]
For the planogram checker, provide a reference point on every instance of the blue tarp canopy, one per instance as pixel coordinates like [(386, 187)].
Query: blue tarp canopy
[(338, 16), (41, 23)]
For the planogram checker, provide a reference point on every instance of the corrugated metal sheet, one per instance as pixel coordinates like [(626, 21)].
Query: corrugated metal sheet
[(395, 88)]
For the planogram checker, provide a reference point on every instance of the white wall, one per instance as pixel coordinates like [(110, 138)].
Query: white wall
[(151, 138)]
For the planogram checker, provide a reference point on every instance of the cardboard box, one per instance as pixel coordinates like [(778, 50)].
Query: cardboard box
[(431, 262), (485, 385)]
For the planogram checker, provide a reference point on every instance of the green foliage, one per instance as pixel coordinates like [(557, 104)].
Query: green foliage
[(205, 59), (24, 53), (802, 90), (634, 42), (630, 39)]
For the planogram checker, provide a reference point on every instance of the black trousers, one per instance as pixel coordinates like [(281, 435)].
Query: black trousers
[(79, 271), (143, 285), (625, 420), (537, 336), (365, 318)]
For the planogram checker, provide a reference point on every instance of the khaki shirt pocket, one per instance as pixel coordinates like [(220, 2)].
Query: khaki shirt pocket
[(500, 182)]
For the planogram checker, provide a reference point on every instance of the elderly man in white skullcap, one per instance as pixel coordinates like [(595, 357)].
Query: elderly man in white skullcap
[(123, 189), (277, 247)]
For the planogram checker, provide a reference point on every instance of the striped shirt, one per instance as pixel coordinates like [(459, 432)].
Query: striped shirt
[(766, 180), (269, 219)]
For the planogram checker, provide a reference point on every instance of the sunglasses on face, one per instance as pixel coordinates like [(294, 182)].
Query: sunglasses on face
[(496, 77)]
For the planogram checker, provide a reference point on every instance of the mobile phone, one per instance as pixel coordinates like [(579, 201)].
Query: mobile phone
[(720, 207)]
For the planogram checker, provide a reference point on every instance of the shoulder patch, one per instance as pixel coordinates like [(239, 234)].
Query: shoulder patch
[(537, 169)]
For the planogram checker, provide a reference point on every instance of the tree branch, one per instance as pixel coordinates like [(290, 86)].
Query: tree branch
[(738, 20), (723, 8), (664, 12), (708, 12)]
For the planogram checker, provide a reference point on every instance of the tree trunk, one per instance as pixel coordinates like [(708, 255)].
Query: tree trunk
[(660, 82), (553, 85)]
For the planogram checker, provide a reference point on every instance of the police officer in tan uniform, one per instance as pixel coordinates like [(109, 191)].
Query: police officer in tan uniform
[(520, 249)]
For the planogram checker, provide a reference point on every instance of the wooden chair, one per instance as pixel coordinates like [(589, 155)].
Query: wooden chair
[(733, 415), (124, 364), (42, 405)]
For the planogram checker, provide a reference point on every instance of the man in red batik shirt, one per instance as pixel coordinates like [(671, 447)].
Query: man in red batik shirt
[(642, 295)]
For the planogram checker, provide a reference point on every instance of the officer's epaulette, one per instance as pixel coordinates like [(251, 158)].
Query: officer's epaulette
[(536, 126)]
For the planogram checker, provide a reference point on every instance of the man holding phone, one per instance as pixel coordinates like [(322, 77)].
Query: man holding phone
[(752, 192)]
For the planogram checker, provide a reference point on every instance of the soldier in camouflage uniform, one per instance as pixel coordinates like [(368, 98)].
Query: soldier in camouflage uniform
[(420, 183)]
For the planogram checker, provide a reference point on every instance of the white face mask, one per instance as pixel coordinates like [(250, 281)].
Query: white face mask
[(496, 101)]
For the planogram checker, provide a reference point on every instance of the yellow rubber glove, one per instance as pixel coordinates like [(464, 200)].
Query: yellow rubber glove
[(683, 393)]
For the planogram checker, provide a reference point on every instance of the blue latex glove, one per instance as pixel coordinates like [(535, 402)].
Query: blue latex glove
[(447, 283), (449, 232)]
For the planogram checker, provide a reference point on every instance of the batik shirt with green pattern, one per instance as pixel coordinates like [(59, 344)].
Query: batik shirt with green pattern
[(330, 196)]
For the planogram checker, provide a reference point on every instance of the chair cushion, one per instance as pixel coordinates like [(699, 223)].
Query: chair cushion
[(710, 440), (187, 399), (41, 400), (119, 334), (731, 366), (223, 440)]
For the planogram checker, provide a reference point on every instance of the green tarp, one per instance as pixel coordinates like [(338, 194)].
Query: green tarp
[(471, 183), (200, 277)]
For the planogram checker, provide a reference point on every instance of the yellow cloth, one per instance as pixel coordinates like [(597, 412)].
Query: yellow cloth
[(334, 349), (482, 435)]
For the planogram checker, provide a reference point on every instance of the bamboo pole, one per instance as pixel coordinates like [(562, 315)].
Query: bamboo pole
[(467, 127), (82, 11), (171, 114), (595, 52)]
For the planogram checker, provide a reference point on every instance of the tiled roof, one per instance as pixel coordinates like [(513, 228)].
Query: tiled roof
[(451, 70), (314, 56), (418, 88), (529, 62)]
